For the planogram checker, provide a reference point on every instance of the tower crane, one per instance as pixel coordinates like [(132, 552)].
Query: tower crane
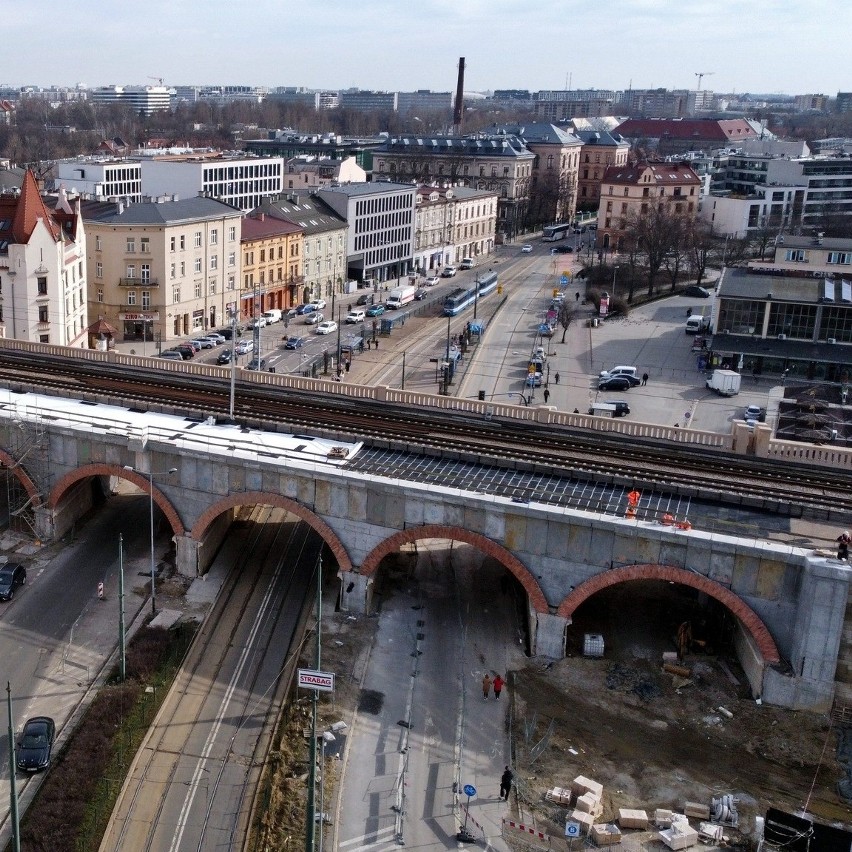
[(160, 80), (701, 75)]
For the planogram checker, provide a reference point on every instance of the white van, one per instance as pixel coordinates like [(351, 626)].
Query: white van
[(467, 263), (696, 324), (272, 315)]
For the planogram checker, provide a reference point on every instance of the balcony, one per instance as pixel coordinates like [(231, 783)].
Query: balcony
[(138, 282)]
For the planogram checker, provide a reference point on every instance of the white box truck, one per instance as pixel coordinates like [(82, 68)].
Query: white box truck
[(400, 296), (272, 315), (724, 382)]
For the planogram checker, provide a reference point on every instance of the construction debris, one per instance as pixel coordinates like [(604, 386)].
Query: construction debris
[(680, 836)]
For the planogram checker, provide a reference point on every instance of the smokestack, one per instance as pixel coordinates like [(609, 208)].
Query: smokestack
[(458, 111)]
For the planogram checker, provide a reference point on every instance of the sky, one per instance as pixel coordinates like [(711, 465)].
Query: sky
[(760, 46)]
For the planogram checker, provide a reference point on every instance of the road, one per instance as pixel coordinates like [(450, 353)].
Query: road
[(193, 779), (56, 633)]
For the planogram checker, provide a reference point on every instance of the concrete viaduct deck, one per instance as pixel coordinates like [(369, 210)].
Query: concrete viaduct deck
[(789, 604)]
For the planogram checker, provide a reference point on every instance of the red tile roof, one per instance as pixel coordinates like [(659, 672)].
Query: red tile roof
[(262, 226), (662, 174), (25, 210), (700, 129)]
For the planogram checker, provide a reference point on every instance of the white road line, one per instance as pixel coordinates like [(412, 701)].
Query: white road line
[(372, 838)]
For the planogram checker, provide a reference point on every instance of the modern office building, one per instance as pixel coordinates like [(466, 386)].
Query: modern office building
[(243, 182), (141, 99), (291, 143), (162, 270), (424, 101), (574, 103), (101, 177), (366, 101), (42, 268)]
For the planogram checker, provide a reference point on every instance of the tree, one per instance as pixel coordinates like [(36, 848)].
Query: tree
[(700, 244), (656, 232), (567, 314)]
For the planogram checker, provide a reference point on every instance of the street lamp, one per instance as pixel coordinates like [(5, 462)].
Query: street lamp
[(614, 270), (151, 474)]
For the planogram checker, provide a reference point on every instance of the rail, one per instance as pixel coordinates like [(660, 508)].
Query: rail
[(764, 447)]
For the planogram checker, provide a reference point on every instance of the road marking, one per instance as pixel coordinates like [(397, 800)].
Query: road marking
[(371, 839)]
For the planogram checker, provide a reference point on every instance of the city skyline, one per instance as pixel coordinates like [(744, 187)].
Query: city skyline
[(395, 47)]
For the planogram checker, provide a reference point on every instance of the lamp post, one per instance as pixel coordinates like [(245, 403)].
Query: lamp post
[(151, 474), (614, 270), (476, 296)]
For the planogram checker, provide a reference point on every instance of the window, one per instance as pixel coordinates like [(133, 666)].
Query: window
[(172, 271), (172, 241), (146, 300), (131, 245), (213, 287), (231, 282), (146, 273), (232, 259), (843, 257), (131, 297), (214, 236), (197, 265), (42, 314), (263, 255), (232, 233), (131, 270), (197, 289), (99, 270), (197, 239), (99, 295), (796, 256), (627, 190), (182, 242), (214, 261), (176, 294), (145, 245), (98, 244), (183, 268), (796, 321)]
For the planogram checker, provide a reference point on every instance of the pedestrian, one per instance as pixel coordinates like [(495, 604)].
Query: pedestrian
[(376, 343), (486, 686), (546, 395), (506, 784), (348, 365), (577, 296), (556, 378), (843, 542), (644, 379), (498, 685)]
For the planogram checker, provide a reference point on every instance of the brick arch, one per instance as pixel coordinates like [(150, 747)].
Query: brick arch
[(480, 542), (263, 498), (14, 467), (749, 618), (138, 479)]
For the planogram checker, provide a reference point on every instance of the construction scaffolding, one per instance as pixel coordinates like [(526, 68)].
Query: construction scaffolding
[(27, 444)]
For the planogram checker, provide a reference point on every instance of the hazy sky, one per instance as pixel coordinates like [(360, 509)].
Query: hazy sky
[(393, 45)]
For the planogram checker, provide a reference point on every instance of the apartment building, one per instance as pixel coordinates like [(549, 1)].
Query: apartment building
[(325, 236), (632, 190), (162, 270), (600, 150), (670, 136), (499, 163), (576, 103), (243, 182), (272, 251), (452, 223), (42, 268), (380, 236)]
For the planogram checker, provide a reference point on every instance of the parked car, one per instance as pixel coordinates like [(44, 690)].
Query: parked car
[(304, 309), (562, 250), (356, 316), (431, 280), (616, 383), (202, 342), (695, 292), (363, 299), (244, 347), (526, 249), (533, 380), (318, 304), (224, 357), (621, 407), (13, 575), (36, 744), (448, 272), (755, 412), (256, 364), (420, 295), (313, 318), (171, 355), (375, 310), (186, 351), (630, 373), (196, 347), (217, 338), (228, 333), (546, 329), (327, 327), (260, 322), (294, 341)]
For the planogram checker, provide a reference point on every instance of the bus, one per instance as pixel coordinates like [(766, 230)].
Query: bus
[(463, 298), (553, 233)]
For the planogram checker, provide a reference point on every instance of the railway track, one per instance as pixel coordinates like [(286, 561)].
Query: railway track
[(759, 484)]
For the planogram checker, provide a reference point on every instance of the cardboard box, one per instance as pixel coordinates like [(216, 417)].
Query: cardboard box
[(581, 785), (560, 795), (605, 835), (628, 818)]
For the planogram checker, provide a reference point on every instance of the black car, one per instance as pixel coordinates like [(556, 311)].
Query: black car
[(186, 350), (12, 575), (294, 342), (224, 357), (616, 383), (621, 407), (421, 294), (363, 299), (695, 292), (36, 744), (562, 250), (256, 364)]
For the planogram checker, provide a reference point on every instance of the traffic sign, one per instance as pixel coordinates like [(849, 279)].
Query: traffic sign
[(469, 790), (564, 279), (572, 829)]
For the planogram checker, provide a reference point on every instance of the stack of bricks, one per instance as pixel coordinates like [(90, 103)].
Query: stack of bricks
[(560, 795), (605, 835), (628, 818), (588, 806)]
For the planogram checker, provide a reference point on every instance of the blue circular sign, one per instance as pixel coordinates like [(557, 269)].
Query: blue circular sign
[(563, 279), (469, 790)]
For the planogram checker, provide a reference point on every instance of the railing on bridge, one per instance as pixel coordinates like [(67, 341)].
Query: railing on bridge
[(763, 447)]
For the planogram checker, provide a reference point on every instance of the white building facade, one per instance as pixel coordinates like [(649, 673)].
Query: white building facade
[(101, 178)]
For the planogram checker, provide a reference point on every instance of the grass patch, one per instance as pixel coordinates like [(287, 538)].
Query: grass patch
[(72, 808)]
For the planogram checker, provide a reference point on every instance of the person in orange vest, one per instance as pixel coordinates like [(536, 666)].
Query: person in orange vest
[(668, 519)]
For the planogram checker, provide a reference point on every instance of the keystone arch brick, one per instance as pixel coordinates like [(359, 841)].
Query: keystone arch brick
[(480, 542), (750, 620), (262, 498), (138, 479)]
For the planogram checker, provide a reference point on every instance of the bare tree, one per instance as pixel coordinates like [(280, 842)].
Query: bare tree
[(700, 244), (567, 314), (655, 231)]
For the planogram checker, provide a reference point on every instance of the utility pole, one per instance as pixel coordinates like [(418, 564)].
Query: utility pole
[(122, 633), (312, 759), (13, 787)]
